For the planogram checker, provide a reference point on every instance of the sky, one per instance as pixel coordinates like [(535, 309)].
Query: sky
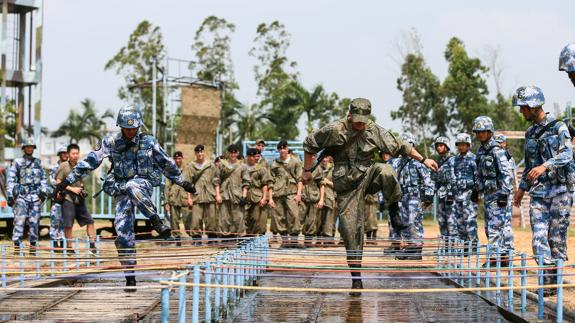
[(349, 47)]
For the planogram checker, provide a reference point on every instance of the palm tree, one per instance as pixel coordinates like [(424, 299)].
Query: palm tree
[(315, 104), (88, 125), (248, 118)]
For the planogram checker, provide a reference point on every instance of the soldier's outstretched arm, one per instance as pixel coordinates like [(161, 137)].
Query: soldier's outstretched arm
[(391, 144), (169, 168), (90, 162)]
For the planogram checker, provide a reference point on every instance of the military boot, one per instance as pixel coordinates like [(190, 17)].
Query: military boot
[(130, 284), (17, 245), (411, 252), (163, 230), (393, 248), (550, 278), (33, 249), (396, 222), (356, 282)]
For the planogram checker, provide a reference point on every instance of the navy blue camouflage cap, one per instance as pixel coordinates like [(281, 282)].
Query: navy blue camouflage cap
[(28, 142), (483, 123), (463, 138), (360, 110), (442, 140), (531, 96), (129, 117), (567, 58), (500, 138)]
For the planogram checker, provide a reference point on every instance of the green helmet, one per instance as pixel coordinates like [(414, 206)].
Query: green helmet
[(129, 117), (28, 142)]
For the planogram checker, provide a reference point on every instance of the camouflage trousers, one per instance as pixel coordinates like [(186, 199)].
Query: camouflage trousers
[(411, 212), (465, 214), (178, 214), (370, 217), (256, 219), (311, 216), (231, 220), (138, 194), (549, 223), (56, 222), (285, 216), (202, 217), (497, 224), (351, 212), (327, 222), (26, 209), (446, 219)]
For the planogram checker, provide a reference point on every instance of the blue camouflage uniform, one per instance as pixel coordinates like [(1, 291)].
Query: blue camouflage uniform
[(26, 184), (56, 221), (500, 139), (494, 182), (465, 210), (445, 180), (551, 193), (138, 166), (416, 187)]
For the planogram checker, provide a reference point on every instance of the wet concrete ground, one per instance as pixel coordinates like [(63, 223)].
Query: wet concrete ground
[(270, 306)]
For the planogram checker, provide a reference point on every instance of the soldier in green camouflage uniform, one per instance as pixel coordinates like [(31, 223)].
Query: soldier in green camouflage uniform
[(235, 181), (286, 194), (352, 141), (326, 202), (176, 199), (310, 212), (371, 205), (205, 176), (257, 198)]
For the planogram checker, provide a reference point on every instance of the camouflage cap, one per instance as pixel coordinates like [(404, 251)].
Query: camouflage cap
[(500, 138), (483, 123), (61, 149), (442, 140), (260, 140), (463, 138), (530, 96), (360, 110), (567, 58)]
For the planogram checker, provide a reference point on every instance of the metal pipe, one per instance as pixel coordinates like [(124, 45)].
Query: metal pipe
[(523, 282), (498, 277), (207, 292), (87, 252), (469, 256), (21, 266), (182, 299), (65, 245), (217, 281), (77, 251), (196, 296), (488, 266), (510, 282), (97, 251), (166, 304), (540, 301), (3, 266), (154, 97), (477, 264), (559, 312)]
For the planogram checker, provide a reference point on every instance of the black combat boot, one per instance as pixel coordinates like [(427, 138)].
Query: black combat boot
[(393, 248), (130, 282), (356, 280), (163, 230), (33, 250), (17, 248), (550, 278), (411, 252), (396, 222)]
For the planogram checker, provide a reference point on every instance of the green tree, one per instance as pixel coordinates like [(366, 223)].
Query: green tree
[(134, 62), (422, 107), (85, 125), (315, 104), (212, 48), (465, 88), (274, 73)]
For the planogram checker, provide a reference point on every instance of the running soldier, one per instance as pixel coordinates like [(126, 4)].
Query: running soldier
[(548, 177), (351, 142), (138, 162), (26, 190)]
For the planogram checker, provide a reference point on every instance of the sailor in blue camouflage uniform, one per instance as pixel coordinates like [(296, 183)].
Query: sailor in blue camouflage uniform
[(494, 182), (567, 61), (445, 187), (465, 168), (138, 162), (502, 141), (417, 194), (548, 177), (26, 189), (56, 222)]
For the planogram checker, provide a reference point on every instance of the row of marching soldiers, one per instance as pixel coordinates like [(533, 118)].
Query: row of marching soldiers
[(235, 196)]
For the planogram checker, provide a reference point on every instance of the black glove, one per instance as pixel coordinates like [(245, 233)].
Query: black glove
[(502, 201), (189, 187), (474, 196), (449, 201), (11, 202), (242, 201)]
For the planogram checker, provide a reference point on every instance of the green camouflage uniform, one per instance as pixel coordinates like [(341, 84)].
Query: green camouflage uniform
[(285, 216), (203, 215), (234, 178), (256, 216), (177, 200), (309, 213), (328, 212)]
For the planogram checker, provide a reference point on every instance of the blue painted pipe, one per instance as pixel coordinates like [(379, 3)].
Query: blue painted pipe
[(488, 266), (560, 291), (469, 256), (21, 265), (77, 249), (208, 292), (97, 250), (182, 298), (510, 282), (52, 258), (87, 252), (226, 277), (477, 265), (217, 281), (498, 277), (540, 301), (65, 244), (523, 282), (166, 304), (196, 296)]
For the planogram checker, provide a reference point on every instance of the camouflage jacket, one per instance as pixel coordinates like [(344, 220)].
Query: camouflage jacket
[(553, 149), (311, 190), (494, 173), (327, 182), (259, 177), (205, 178), (26, 179), (285, 176), (414, 177), (444, 178), (233, 177), (465, 172), (175, 195), (352, 150)]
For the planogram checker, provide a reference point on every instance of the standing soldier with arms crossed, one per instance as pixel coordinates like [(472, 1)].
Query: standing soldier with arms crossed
[(351, 142), (138, 162), (548, 177), (26, 190), (56, 223), (204, 174)]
